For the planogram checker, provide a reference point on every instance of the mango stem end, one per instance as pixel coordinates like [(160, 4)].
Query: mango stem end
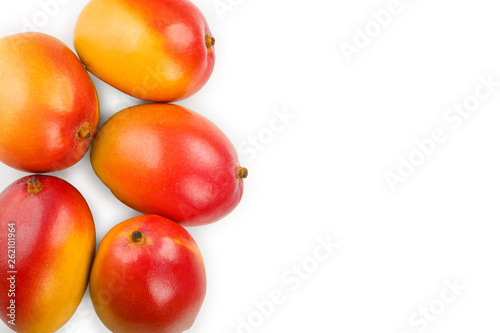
[(34, 185), (137, 237), (242, 173), (209, 41)]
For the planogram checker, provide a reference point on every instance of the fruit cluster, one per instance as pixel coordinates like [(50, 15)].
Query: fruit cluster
[(161, 159)]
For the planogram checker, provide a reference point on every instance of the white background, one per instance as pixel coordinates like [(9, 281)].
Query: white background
[(322, 174)]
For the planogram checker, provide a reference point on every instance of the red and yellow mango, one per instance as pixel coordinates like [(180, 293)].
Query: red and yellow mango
[(148, 276), (167, 160), (49, 112), (155, 50), (47, 241)]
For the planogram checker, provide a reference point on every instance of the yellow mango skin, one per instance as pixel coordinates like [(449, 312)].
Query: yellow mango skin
[(55, 247), (155, 50)]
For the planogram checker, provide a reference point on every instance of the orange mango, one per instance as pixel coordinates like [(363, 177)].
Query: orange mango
[(49, 111), (170, 161), (155, 50)]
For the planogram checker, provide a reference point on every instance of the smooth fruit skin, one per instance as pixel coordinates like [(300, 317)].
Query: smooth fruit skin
[(49, 111), (154, 283), (167, 160), (54, 247), (155, 50)]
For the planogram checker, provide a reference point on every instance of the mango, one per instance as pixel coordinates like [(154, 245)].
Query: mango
[(49, 111), (47, 244), (148, 276), (167, 160), (155, 50)]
